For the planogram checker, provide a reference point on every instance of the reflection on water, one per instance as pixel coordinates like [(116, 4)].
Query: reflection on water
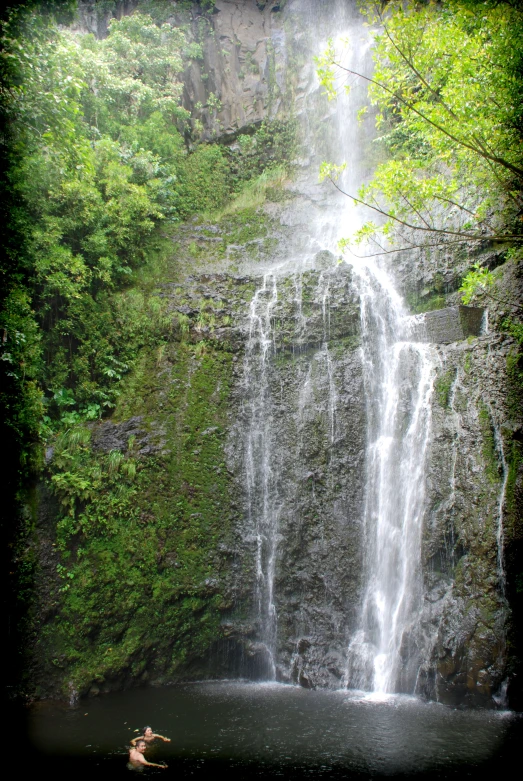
[(270, 730)]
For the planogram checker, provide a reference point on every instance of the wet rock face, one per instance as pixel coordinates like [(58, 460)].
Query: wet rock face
[(470, 533), (316, 444), (109, 436), (317, 409), (91, 18), (465, 610), (318, 451), (452, 324), (319, 571), (241, 79), (238, 68)]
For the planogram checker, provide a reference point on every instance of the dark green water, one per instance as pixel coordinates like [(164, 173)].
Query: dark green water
[(245, 730)]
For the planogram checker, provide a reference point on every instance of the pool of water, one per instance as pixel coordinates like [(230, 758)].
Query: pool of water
[(247, 730)]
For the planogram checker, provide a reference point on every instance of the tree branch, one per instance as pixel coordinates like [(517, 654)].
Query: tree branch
[(477, 150), (453, 203), (502, 301), (481, 143), (465, 236), (422, 218), (407, 249)]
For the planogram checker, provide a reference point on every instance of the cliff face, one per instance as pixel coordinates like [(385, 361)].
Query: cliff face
[(194, 600), (241, 79), (309, 446), (471, 532)]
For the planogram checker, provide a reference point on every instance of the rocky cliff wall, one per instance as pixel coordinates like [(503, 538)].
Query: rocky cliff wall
[(316, 443), (188, 441), (472, 535), (242, 77)]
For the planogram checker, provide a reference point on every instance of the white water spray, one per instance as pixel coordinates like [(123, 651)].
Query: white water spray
[(399, 376), (260, 478)]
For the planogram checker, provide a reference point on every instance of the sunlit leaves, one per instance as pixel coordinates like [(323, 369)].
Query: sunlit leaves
[(447, 108), (133, 72), (479, 279), (326, 70), (331, 171)]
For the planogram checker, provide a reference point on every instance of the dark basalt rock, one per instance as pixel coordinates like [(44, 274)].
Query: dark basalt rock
[(444, 326), (109, 436)]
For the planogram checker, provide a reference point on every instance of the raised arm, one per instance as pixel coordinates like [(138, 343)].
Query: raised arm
[(166, 740)]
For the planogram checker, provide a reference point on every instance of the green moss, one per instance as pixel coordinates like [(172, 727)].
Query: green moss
[(139, 577), (443, 386), (488, 449), (515, 377), (514, 522), (418, 304), (345, 344)]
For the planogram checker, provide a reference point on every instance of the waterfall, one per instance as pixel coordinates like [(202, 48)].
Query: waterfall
[(399, 376), (260, 479), (265, 495), (385, 652), (500, 534)]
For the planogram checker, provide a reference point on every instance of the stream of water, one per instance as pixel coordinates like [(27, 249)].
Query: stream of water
[(384, 656)]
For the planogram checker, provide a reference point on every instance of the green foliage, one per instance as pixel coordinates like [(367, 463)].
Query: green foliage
[(99, 157), (326, 70), (331, 171), (132, 73), (88, 212), (99, 160), (203, 185), (489, 448), (256, 191), (515, 364), (418, 304), (137, 536), (477, 280), (443, 387), (447, 89), (271, 146)]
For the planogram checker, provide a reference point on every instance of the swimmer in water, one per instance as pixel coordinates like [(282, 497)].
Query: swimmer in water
[(136, 757), (149, 736)]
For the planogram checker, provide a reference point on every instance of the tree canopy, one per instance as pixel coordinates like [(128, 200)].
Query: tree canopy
[(98, 152), (446, 87)]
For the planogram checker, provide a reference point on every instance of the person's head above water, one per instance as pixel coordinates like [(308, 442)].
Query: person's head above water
[(149, 736), (136, 755)]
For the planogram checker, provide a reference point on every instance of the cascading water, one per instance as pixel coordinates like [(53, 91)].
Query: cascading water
[(385, 652), (260, 479), (399, 376), (265, 499)]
